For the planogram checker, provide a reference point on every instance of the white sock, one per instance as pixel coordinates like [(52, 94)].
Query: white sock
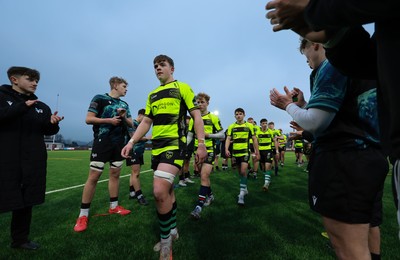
[(84, 212), (113, 204), (174, 231)]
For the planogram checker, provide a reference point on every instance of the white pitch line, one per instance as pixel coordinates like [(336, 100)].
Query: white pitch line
[(81, 185)]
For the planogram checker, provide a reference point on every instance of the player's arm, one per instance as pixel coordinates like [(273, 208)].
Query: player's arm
[(125, 116), (255, 145), (128, 121), (91, 119), (142, 129), (218, 135), (227, 144), (276, 142), (143, 139), (199, 129)]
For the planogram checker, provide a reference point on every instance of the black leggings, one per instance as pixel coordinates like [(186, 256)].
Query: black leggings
[(20, 225)]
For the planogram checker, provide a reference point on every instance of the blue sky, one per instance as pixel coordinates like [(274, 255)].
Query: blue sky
[(224, 48)]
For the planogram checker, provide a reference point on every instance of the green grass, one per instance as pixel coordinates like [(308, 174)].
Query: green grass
[(273, 225)]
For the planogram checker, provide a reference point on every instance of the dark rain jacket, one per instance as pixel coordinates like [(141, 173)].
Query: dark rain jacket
[(23, 155)]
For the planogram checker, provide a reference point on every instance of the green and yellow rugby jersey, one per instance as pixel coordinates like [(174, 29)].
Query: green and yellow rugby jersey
[(167, 106), (282, 142), (256, 130), (212, 125), (240, 135), (276, 133), (265, 139), (298, 143)]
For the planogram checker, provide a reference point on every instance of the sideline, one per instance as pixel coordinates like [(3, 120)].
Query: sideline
[(81, 185)]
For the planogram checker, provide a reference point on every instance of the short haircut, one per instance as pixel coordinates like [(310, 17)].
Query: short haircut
[(303, 44), (203, 95), (263, 120), (250, 118), (271, 123), (117, 80), (141, 111), (23, 71), (239, 109), (163, 57)]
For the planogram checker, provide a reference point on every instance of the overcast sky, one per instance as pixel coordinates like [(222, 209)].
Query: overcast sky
[(224, 48)]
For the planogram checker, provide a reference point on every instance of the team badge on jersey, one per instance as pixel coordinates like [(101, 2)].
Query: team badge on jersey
[(169, 154)]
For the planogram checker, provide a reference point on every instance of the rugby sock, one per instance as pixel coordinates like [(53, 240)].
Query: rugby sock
[(113, 202), (375, 256), (202, 195), (131, 191), (187, 174), (84, 209), (209, 191), (267, 176), (182, 177), (164, 221), (174, 230), (139, 194), (243, 185)]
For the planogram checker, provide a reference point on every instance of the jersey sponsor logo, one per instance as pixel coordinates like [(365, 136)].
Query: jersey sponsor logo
[(10, 102), (162, 105), (94, 155), (38, 110)]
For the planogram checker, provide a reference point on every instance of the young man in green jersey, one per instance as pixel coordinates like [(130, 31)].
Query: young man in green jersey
[(275, 149), (110, 118), (166, 109), (265, 138), (298, 150), (282, 140), (213, 130), (253, 170), (240, 132)]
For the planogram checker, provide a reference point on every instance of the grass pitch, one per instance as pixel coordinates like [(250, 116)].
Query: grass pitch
[(273, 225)]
